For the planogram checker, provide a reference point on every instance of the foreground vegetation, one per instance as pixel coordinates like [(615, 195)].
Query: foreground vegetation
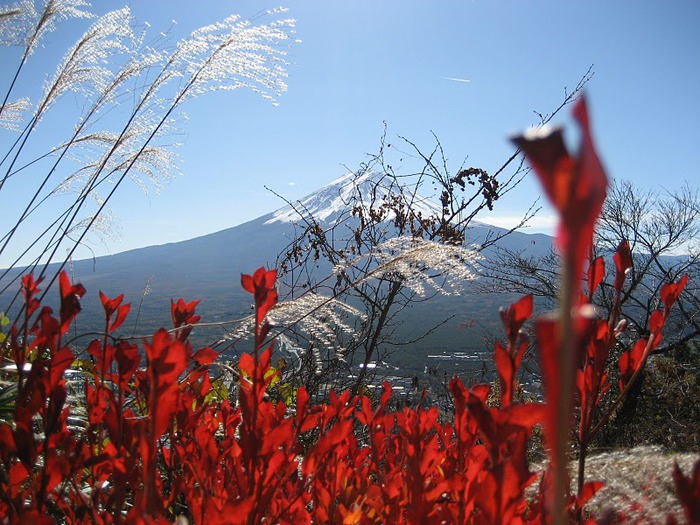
[(165, 441)]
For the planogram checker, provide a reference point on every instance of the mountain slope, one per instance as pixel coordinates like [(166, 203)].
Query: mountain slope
[(208, 268)]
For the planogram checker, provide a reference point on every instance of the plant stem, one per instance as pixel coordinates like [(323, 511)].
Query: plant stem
[(566, 363)]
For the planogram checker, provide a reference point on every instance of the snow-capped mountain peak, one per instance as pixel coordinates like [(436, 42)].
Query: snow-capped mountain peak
[(329, 202)]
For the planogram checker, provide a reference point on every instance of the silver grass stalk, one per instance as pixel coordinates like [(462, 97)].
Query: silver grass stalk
[(320, 317), (235, 53), (222, 68), (115, 92), (81, 71), (45, 21), (316, 314), (12, 113), (318, 360), (98, 32), (287, 344), (16, 21), (420, 265), (212, 58), (22, 24), (153, 83), (154, 164), (103, 226)]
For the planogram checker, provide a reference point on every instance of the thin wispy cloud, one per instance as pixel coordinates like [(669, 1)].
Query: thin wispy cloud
[(540, 222), (453, 79)]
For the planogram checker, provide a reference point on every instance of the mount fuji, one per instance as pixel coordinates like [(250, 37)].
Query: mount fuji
[(330, 203), (208, 268)]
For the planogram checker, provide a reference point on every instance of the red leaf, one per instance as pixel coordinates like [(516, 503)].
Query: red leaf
[(37, 518), (96, 405), (688, 490), (515, 315), (525, 415), (7, 442), (576, 186), (205, 356), (338, 432), (596, 274), (262, 285), (594, 181), (671, 291), (247, 283), (128, 360), (30, 288), (551, 354), (548, 155), (589, 490), (60, 361), (269, 277), (49, 330), (110, 305), (246, 364), (656, 322), (182, 314), (506, 373), (630, 361), (113, 305), (70, 300), (302, 406), (623, 264), (18, 473), (167, 359)]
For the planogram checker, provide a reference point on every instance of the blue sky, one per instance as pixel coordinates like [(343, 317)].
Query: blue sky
[(363, 63)]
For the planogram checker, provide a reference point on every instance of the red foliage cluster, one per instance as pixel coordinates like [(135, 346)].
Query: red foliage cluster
[(157, 444)]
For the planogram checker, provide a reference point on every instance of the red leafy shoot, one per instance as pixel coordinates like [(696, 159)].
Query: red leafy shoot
[(688, 490), (112, 307), (576, 185), (508, 359)]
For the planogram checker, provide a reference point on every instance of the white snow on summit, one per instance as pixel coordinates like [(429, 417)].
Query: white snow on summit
[(335, 198)]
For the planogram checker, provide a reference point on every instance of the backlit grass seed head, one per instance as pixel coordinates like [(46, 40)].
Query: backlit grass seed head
[(316, 314), (103, 227), (127, 92), (82, 69), (214, 57), (22, 24), (236, 53), (12, 113), (321, 318), (16, 22), (151, 165), (421, 264)]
